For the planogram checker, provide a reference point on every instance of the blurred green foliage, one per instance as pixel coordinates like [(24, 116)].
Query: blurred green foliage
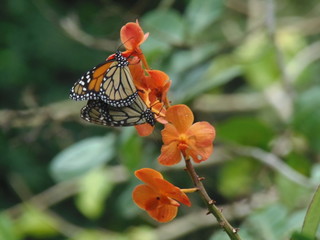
[(64, 179)]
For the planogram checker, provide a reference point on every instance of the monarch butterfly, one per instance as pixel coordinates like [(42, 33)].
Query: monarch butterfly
[(110, 81), (98, 112)]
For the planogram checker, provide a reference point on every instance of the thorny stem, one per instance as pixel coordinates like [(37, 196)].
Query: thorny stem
[(212, 208)]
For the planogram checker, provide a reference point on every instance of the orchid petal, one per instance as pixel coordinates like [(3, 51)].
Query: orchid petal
[(170, 154), (180, 116)]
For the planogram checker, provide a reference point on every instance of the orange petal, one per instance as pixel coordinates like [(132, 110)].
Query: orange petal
[(180, 116), (142, 194), (161, 119), (148, 175), (171, 191), (159, 200), (165, 91), (144, 129), (112, 56), (169, 134), (165, 213), (160, 112), (158, 78), (170, 154), (159, 83), (203, 133), (132, 36), (137, 73), (200, 138), (152, 204), (200, 154)]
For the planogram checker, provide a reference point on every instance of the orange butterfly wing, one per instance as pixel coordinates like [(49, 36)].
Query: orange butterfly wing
[(110, 81), (88, 86)]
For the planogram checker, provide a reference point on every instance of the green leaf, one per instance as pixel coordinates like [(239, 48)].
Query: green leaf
[(307, 116), (300, 236), (94, 188), (257, 57), (183, 60), (125, 205), (36, 222), (267, 220), (130, 149), (290, 193), (134, 233), (272, 223), (201, 15), (244, 234), (7, 231), (315, 173), (156, 51), (142, 233), (245, 131), (93, 234), (312, 219), (166, 25), (236, 177), (82, 156), (206, 77), (299, 162)]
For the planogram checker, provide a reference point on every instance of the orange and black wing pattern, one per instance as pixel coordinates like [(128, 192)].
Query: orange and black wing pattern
[(98, 112), (110, 81)]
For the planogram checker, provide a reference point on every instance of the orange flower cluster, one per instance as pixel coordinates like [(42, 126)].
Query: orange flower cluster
[(153, 85), (181, 137)]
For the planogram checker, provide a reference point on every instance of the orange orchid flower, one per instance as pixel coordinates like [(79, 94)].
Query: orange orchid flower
[(159, 83), (153, 90), (153, 85), (156, 82), (132, 36), (157, 196), (180, 135)]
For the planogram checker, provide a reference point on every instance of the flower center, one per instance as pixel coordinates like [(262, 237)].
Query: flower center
[(182, 145)]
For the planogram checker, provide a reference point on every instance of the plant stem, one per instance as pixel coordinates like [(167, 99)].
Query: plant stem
[(212, 208)]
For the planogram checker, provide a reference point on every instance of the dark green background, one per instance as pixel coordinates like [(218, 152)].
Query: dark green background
[(226, 62)]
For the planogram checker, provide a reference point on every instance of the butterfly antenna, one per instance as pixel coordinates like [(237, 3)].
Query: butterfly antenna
[(122, 44)]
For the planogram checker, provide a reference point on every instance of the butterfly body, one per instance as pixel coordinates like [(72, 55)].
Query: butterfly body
[(110, 81), (98, 112)]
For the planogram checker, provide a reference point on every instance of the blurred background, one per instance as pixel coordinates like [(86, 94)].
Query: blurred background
[(250, 68)]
